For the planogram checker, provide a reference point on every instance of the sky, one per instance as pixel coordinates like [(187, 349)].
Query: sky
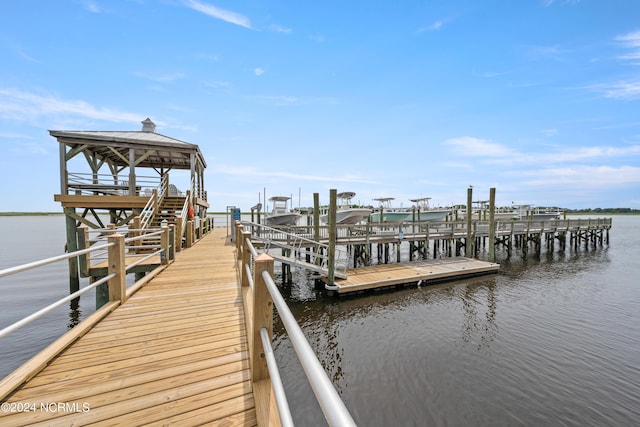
[(539, 99)]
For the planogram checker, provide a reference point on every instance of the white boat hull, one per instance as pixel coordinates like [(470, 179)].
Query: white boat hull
[(282, 219), (432, 215), (390, 217), (348, 216)]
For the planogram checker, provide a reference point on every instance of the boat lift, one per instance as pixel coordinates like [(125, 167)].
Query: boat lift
[(296, 249)]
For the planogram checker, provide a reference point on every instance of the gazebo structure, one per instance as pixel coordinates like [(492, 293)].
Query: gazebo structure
[(125, 175)]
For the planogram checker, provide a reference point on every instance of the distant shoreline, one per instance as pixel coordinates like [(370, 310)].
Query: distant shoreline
[(619, 211)]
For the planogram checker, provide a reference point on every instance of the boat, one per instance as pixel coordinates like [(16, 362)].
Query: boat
[(538, 213), (425, 213), (345, 213), (387, 213), (280, 215)]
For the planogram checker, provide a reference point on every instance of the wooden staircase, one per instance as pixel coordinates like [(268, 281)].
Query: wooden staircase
[(170, 209)]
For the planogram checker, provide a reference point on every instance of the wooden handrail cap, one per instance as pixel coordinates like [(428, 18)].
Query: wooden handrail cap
[(263, 258)]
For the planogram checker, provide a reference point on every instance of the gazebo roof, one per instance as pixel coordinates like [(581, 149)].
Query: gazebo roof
[(152, 150)]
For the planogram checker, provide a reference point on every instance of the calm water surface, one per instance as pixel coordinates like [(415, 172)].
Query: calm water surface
[(553, 340)]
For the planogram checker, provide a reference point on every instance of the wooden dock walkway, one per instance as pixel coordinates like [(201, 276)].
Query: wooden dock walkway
[(385, 275), (174, 353)]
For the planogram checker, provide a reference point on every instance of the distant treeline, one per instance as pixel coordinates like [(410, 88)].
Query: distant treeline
[(606, 211)]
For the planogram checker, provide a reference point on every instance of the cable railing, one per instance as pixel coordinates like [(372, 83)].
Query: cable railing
[(260, 295)]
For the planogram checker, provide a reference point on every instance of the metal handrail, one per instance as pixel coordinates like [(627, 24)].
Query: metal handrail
[(333, 408), (38, 314), (30, 266), (295, 243), (276, 381), (93, 249)]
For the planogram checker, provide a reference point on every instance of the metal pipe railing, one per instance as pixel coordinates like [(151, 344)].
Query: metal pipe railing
[(333, 408), (38, 314), (46, 261), (276, 381)]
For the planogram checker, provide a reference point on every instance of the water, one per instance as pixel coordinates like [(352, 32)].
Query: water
[(553, 340)]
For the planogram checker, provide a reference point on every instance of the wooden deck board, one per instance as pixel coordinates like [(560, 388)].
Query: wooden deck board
[(175, 352), (383, 275)]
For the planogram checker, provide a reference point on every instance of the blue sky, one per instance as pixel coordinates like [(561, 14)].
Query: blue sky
[(537, 98)]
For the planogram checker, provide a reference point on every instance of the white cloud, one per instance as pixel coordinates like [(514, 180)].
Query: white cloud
[(434, 26), (280, 29), (24, 106), (250, 172), (493, 153), (547, 3), (543, 53), (586, 176), (624, 90), (631, 41), (470, 146), (218, 84), (93, 7), (258, 71), (222, 14), (318, 38), (160, 78)]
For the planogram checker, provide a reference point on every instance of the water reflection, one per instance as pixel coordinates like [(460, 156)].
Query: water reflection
[(484, 324), (75, 314)]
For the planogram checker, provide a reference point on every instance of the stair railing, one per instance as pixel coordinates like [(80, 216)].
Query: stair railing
[(185, 207), (155, 201)]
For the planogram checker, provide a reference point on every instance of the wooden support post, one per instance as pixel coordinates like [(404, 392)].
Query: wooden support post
[(178, 236), (83, 243), (164, 244), (117, 285), (468, 245), (137, 225), (72, 246), (172, 242), (492, 225), (102, 291), (246, 259), (238, 238), (189, 234), (262, 316), (332, 237)]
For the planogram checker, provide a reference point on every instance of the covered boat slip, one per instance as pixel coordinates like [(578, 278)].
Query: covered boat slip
[(175, 352)]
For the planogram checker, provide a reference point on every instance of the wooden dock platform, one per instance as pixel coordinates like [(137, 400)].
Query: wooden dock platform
[(174, 353), (385, 275)]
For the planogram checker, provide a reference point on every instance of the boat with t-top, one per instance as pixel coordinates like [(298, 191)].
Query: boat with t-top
[(280, 214), (386, 213), (425, 213), (346, 213)]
